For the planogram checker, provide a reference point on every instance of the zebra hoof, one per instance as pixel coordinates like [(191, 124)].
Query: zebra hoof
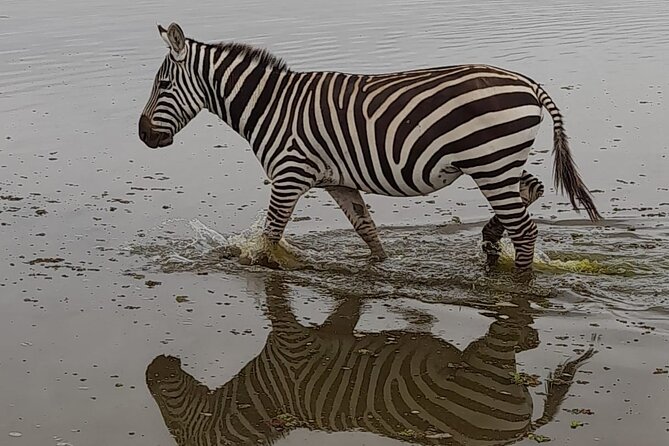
[(524, 275), (491, 261), (283, 255), (490, 248), (377, 257), (270, 254), (492, 252)]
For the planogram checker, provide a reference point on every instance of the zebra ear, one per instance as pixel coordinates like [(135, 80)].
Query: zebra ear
[(175, 40)]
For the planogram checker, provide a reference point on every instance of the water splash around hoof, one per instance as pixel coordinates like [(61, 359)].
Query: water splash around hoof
[(544, 263), (281, 255)]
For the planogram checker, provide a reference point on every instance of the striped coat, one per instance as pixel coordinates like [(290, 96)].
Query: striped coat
[(399, 134)]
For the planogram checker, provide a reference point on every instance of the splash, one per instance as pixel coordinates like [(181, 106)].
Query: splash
[(432, 263), (543, 262), (251, 246)]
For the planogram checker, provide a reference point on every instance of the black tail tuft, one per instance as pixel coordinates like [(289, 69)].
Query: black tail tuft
[(565, 174), (567, 177), (558, 385)]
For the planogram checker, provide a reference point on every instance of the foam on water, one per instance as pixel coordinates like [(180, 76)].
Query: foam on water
[(543, 262), (250, 246)]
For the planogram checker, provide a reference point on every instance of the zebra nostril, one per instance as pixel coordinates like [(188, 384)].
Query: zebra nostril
[(144, 127)]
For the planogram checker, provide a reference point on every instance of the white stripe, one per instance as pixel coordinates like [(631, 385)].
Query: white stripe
[(253, 100)]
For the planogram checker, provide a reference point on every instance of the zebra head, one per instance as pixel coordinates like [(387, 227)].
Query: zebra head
[(169, 384), (198, 416), (176, 96)]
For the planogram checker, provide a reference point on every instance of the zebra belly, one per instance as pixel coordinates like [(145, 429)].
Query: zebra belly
[(445, 176)]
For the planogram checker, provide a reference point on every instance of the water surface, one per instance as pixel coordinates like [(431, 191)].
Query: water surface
[(115, 258)]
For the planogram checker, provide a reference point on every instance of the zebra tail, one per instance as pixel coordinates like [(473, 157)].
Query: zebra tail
[(558, 385), (565, 175)]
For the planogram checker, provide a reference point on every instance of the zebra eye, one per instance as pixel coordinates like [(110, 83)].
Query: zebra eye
[(164, 84)]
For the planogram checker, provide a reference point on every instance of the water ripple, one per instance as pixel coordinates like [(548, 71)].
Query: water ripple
[(443, 264)]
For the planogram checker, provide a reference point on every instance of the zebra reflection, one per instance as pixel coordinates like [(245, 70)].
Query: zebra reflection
[(403, 385)]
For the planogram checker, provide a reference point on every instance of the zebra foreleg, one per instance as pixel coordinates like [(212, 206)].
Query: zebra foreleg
[(279, 311), (283, 198), (531, 189), (344, 318), (350, 201)]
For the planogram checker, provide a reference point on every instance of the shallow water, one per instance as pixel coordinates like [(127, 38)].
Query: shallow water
[(113, 255), (607, 264)]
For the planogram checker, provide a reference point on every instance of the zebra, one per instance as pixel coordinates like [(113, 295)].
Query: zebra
[(397, 134), (402, 385)]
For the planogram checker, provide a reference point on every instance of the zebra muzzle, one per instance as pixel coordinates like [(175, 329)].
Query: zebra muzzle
[(150, 136)]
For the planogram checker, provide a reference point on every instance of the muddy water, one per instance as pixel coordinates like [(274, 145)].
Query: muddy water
[(119, 268)]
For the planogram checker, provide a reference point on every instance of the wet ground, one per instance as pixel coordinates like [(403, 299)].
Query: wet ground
[(120, 282)]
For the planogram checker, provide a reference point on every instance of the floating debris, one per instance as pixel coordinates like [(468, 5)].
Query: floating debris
[(285, 421), (538, 438), (580, 411), (438, 436), (525, 379), (409, 433), (45, 260), (585, 266), (120, 200), (574, 424)]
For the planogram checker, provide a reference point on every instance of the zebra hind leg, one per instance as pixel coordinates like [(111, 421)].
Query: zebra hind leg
[(531, 189), (351, 203), (506, 201)]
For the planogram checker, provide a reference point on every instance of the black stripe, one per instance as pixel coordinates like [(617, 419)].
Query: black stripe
[(239, 103), (262, 103), (497, 172), (287, 116), (315, 128), (218, 80), (473, 140), (232, 82), (457, 116), (278, 106), (328, 121), (285, 84), (499, 184), (344, 89), (491, 157)]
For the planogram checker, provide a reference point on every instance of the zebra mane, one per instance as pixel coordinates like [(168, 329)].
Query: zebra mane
[(262, 55)]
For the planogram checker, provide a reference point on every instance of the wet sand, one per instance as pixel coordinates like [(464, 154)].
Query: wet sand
[(114, 257)]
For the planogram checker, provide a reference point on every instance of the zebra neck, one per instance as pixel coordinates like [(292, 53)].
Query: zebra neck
[(242, 90)]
